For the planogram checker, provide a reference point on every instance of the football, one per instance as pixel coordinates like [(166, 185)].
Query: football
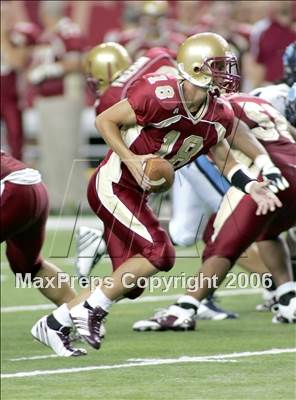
[(161, 174)]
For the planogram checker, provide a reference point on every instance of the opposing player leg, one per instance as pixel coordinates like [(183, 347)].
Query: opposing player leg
[(189, 214)]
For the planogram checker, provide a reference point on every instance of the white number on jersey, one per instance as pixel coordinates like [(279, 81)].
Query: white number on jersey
[(164, 92), (189, 148), (157, 78)]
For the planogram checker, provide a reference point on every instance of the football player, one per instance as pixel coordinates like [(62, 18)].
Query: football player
[(177, 119), (23, 216), (237, 224), (109, 89), (283, 98), (110, 72)]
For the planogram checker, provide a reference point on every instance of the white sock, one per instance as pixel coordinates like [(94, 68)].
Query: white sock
[(98, 298), (62, 315), (188, 299), (285, 288)]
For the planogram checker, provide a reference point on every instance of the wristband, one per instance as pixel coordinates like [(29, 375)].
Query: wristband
[(240, 179)]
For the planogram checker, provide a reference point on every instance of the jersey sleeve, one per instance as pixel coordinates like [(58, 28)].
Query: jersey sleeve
[(152, 103)]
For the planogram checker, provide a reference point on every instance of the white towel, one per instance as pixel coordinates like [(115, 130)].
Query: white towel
[(27, 176)]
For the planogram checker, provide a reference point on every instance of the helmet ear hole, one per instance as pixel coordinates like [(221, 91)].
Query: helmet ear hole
[(196, 69)]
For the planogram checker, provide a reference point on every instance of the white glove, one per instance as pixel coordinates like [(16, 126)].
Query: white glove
[(271, 174), (45, 71)]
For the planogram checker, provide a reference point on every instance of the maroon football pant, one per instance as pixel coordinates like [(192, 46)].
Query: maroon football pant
[(131, 227), (243, 227), (12, 116), (23, 215)]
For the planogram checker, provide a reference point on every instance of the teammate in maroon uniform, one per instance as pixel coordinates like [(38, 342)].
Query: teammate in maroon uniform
[(237, 225), (16, 44), (23, 216), (177, 119), (109, 74)]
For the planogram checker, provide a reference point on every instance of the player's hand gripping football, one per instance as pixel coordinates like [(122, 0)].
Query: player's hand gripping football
[(135, 164), (264, 197)]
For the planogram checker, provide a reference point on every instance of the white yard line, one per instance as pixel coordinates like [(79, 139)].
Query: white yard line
[(68, 223), (225, 356), (36, 307), (34, 358), (144, 299), (148, 362)]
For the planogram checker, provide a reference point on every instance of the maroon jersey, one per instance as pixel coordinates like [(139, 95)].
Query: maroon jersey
[(268, 125), (65, 40), (156, 60), (9, 165), (166, 127)]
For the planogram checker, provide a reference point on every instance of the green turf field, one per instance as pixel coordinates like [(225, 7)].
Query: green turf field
[(140, 366)]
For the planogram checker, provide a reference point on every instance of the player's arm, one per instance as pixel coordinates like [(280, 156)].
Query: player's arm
[(108, 124), (242, 139), (229, 167), (235, 173)]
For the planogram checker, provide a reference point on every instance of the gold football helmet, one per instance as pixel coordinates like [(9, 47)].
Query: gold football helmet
[(104, 63), (205, 60), (154, 8)]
